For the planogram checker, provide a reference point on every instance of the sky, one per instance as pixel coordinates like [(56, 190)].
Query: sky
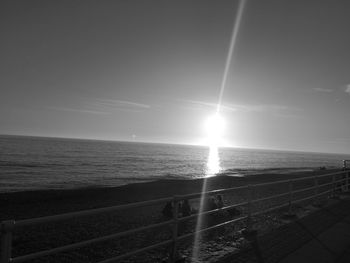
[(151, 71)]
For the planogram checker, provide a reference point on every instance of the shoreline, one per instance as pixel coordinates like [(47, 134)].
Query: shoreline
[(234, 173)]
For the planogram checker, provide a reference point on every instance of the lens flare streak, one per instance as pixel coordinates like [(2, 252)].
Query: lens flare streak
[(213, 164), (233, 41)]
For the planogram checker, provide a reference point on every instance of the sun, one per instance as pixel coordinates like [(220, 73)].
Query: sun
[(215, 127)]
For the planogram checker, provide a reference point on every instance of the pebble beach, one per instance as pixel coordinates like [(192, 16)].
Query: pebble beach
[(30, 204)]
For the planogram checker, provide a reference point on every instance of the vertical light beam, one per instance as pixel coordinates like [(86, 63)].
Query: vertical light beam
[(213, 160), (233, 41)]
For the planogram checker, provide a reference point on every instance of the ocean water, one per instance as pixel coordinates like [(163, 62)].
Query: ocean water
[(31, 163)]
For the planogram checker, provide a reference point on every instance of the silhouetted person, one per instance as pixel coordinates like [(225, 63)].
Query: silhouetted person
[(212, 204), (234, 211), (168, 210), (219, 201), (186, 208)]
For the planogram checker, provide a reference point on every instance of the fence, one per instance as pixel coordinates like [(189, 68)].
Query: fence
[(333, 184)]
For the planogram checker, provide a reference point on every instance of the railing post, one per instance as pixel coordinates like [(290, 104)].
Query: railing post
[(249, 233), (290, 215), (290, 189), (6, 240), (334, 186), (250, 199), (173, 256), (315, 190), (347, 181)]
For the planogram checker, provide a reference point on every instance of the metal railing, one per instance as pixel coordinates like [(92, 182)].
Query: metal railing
[(8, 226)]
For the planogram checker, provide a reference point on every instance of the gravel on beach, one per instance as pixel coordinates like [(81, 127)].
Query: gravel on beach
[(23, 205)]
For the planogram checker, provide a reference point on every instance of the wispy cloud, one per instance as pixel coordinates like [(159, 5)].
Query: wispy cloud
[(104, 106), (244, 107), (288, 115), (347, 89), (112, 105), (78, 110), (323, 90), (204, 104), (340, 93), (339, 140), (264, 107), (121, 103)]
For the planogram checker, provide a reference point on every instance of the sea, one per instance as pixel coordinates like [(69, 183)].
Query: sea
[(37, 163)]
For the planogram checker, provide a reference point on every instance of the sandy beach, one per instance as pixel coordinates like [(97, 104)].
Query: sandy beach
[(21, 205)]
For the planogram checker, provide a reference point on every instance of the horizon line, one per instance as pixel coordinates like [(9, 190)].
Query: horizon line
[(168, 143)]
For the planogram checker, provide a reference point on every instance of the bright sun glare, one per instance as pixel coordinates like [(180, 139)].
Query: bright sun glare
[(215, 127)]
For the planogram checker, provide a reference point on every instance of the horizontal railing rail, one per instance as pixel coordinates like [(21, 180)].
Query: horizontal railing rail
[(8, 226), (47, 219)]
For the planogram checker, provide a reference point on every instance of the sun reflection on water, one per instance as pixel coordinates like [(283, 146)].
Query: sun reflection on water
[(213, 163)]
